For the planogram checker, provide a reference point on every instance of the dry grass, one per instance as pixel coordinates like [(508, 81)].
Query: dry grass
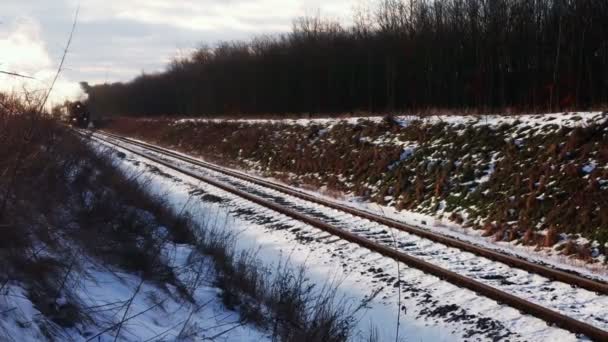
[(281, 300), (63, 204), (449, 159)]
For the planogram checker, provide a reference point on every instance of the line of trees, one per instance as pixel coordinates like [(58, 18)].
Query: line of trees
[(397, 55)]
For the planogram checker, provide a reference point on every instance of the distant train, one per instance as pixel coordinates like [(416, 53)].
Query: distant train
[(78, 115)]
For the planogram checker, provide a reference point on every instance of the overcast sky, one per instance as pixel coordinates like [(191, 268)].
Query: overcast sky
[(116, 40)]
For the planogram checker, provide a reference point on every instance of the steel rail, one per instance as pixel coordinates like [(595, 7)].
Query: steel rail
[(513, 261), (500, 296)]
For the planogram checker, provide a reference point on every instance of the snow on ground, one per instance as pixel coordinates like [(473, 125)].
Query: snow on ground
[(432, 310), (441, 224), (572, 119), (558, 296), (155, 314), (446, 227), (105, 295)]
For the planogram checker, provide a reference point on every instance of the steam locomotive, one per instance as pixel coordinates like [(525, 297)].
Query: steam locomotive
[(78, 115)]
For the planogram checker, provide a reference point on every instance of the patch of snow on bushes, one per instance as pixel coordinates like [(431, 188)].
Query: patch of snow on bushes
[(589, 167)]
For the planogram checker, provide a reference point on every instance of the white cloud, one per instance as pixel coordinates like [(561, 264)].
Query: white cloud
[(22, 50), (116, 40), (255, 16)]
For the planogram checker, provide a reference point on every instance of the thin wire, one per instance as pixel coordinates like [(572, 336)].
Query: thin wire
[(16, 74)]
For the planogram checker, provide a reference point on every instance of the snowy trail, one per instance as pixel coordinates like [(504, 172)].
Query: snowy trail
[(580, 304)]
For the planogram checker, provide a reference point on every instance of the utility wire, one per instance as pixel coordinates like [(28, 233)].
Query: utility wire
[(16, 74)]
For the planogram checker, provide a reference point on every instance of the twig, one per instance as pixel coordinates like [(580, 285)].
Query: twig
[(240, 324), (65, 279), (161, 334), (30, 132), (65, 52), (101, 307), (190, 316), (7, 311), (398, 283), (34, 254), (184, 322), (124, 316), (127, 319)]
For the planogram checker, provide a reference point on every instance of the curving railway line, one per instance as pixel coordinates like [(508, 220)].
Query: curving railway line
[(561, 298)]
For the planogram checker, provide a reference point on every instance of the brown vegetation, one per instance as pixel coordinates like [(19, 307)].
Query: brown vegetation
[(64, 205), (60, 206), (537, 182)]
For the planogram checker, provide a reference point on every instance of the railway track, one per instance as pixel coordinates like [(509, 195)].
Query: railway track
[(546, 271), (442, 257)]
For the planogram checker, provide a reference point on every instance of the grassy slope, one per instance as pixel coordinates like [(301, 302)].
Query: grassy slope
[(529, 180)]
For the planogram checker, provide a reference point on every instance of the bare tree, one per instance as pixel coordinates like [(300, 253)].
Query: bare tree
[(398, 54)]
